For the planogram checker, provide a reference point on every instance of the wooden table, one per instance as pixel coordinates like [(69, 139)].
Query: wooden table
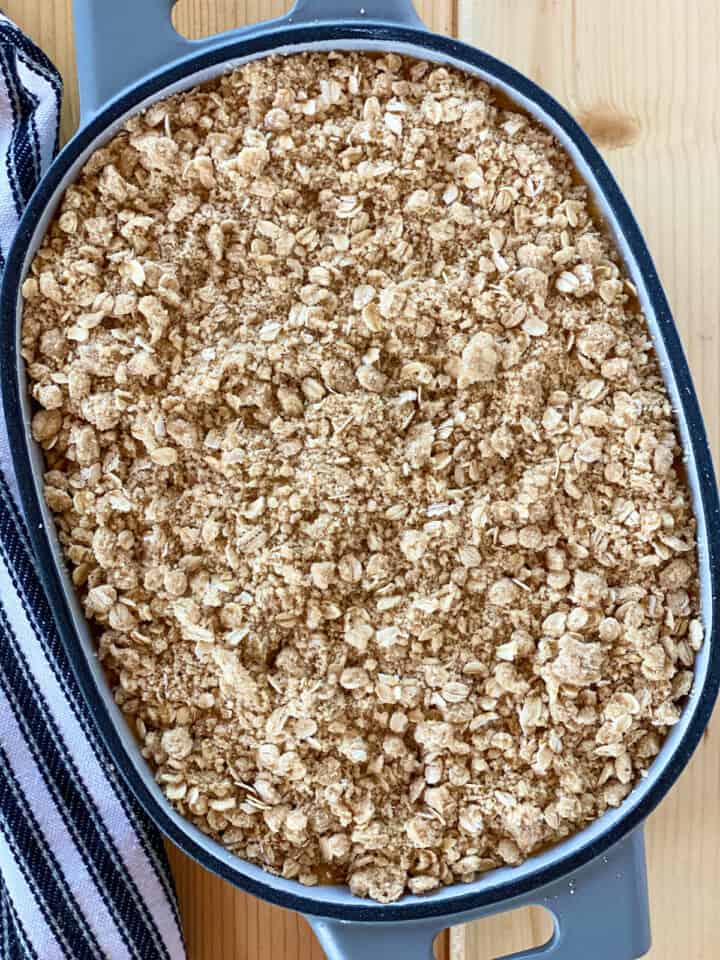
[(643, 76)]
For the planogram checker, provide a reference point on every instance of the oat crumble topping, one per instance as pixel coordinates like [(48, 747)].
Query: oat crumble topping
[(361, 457)]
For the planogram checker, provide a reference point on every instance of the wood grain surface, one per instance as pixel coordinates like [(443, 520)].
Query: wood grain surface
[(643, 76)]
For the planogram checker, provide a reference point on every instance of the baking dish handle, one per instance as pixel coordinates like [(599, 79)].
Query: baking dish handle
[(120, 42), (599, 913), (343, 940)]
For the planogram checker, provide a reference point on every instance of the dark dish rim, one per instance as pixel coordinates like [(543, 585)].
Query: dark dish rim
[(266, 43)]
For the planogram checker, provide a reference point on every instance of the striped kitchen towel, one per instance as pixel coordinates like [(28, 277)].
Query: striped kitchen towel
[(83, 875)]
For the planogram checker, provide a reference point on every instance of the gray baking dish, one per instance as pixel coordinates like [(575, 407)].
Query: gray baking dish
[(594, 883)]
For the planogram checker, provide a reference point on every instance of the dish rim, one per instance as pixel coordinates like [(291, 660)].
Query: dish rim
[(581, 847)]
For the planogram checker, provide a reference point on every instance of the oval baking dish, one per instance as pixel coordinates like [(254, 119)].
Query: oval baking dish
[(129, 56)]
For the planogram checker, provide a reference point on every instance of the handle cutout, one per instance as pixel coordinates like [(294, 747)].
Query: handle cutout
[(441, 946), (194, 21), (503, 934)]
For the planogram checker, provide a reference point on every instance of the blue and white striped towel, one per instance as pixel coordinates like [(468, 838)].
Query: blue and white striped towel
[(83, 875)]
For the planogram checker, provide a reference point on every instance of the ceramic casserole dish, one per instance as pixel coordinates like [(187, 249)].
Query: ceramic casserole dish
[(594, 883)]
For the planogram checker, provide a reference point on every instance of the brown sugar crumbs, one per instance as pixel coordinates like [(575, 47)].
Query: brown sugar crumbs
[(361, 456)]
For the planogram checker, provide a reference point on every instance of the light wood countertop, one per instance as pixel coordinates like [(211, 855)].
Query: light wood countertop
[(644, 79)]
